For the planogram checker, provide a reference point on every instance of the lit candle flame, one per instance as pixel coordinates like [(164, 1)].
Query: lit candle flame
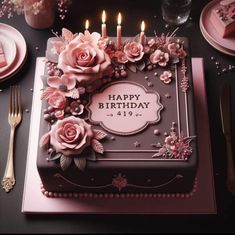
[(103, 17), (87, 24), (119, 20), (142, 26)]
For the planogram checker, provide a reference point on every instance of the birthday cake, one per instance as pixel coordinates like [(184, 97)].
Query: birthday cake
[(117, 119), (223, 17)]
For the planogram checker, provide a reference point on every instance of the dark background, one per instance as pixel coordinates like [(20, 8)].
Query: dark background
[(11, 218)]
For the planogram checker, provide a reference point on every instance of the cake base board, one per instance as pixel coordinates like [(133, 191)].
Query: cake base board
[(202, 201)]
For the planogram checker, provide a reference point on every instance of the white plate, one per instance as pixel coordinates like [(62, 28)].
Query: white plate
[(21, 50), (225, 45), (9, 49)]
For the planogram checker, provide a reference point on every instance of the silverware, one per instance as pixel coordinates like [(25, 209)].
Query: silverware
[(14, 118), (225, 110)]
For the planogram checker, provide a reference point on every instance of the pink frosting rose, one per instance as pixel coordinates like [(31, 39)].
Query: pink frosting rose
[(84, 60), (134, 51), (70, 135), (57, 99), (159, 57)]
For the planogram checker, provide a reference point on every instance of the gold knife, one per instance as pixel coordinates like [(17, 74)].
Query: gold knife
[(225, 111)]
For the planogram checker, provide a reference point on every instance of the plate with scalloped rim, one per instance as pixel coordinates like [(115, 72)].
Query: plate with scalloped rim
[(209, 32), (9, 49), (21, 50)]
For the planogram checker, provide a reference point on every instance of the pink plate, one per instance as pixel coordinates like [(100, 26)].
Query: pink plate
[(225, 45), (202, 200), (9, 49), (215, 45), (21, 50)]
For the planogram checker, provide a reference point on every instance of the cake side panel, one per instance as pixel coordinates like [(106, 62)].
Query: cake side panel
[(134, 169)]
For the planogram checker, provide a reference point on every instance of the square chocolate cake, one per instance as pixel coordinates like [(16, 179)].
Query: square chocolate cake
[(117, 119)]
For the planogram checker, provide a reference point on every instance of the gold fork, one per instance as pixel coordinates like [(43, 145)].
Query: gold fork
[(14, 118)]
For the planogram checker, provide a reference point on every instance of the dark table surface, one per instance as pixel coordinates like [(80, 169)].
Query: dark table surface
[(11, 218)]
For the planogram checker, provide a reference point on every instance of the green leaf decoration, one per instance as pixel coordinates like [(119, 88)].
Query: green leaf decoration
[(141, 65), (97, 146), (174, 60), (147, 61), (65, 162), (157, 155), (99, 134), (163, 49), (132, 67), (54, 156), (80, 163)]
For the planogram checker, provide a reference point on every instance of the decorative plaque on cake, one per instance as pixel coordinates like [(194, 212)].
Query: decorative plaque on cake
[(124, 108)]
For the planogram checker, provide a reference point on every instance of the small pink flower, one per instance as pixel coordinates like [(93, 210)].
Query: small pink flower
[(57, 99), (171, 141), (121, 57), (134, 51), (166, 77), (159, 57), (63, 83), (76, 108), (59, 113), (176, 50), (172, 47), (70, 135)]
